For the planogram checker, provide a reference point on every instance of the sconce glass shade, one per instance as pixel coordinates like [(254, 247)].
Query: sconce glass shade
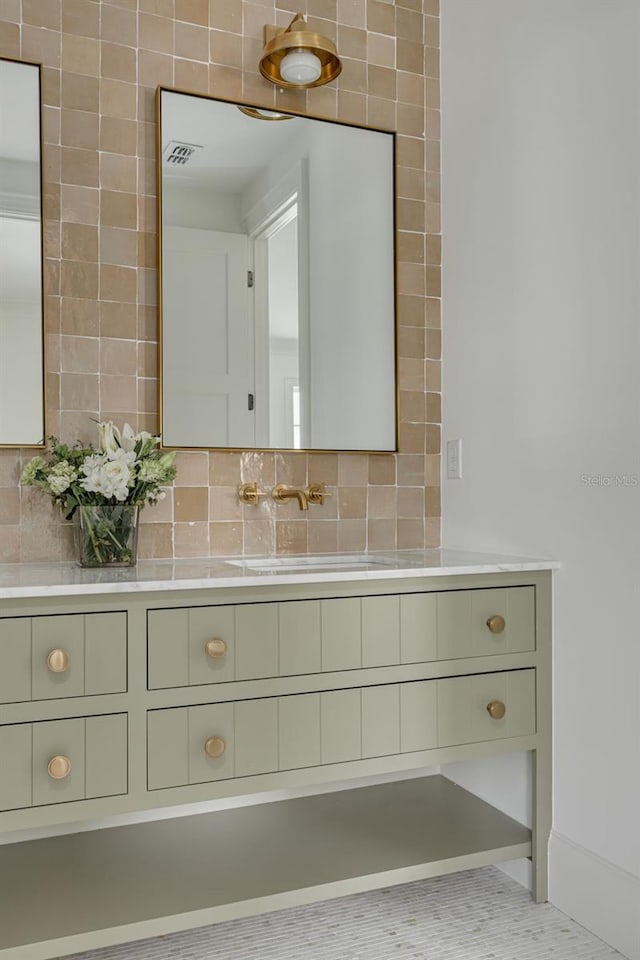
[(298, 57), (300, 67)]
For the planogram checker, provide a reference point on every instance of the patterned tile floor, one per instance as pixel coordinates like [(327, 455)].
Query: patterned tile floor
[(476, 915)]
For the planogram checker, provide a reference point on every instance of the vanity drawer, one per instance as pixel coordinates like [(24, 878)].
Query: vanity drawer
[(199, 645), (74, 655), (189, 745), (480, 623), (486, 706), (58, 761)]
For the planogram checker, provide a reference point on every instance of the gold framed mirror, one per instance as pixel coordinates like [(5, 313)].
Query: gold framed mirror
[(22, 409), (277, 279)]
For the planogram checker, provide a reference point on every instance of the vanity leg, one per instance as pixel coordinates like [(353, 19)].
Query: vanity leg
[(542, 755), (541, 823)]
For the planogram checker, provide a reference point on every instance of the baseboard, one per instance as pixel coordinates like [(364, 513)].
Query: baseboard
[(596, 894)]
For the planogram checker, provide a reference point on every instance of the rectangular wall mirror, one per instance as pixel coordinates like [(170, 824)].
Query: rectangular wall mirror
[(21, 309), (277, 279)]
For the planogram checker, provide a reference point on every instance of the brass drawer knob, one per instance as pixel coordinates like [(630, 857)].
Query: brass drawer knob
[(496, 709), (215, 747), (496, 624), (59, 767), (215, 648), (58, 661)]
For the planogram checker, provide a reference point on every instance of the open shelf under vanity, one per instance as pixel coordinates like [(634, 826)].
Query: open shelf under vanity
[(143, 880)]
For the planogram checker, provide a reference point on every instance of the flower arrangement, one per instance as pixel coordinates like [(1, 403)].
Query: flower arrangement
[(104, 488)]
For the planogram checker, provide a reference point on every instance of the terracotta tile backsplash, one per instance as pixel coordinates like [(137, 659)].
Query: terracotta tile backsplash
[(102, 62)]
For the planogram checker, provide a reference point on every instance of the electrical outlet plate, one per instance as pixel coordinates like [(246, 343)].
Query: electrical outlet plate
[(454, 460)]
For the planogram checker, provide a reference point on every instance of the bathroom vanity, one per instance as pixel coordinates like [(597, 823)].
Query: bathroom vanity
[(130, 692)]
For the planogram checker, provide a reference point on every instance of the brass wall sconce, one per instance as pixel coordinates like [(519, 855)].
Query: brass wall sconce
[(297, 57)]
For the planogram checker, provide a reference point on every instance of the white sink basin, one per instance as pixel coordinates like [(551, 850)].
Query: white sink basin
[(345, 561)]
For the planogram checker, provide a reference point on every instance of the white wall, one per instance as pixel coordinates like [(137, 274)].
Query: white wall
[(283, 332), (199, 206), (351, 290), (21, 367), (351, 300), (541, 202)]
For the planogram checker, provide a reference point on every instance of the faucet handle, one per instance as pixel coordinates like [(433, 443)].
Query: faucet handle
[(316, 493), (249, 493)]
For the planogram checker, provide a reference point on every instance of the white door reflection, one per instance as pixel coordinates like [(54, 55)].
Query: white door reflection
[(210, 375), (250, 288)]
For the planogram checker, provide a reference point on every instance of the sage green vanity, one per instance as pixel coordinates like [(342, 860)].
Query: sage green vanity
[(190, 683)]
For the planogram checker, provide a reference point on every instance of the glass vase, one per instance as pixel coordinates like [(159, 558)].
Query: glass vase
[(106, 535)]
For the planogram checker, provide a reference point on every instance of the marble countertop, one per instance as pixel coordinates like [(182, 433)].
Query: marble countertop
[(22, 580)]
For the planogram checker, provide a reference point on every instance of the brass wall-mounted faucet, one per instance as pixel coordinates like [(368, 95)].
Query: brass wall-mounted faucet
[(315, 493), (281, 494)]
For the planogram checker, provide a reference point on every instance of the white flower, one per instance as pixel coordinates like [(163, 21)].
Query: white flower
[(150, 471), (93, 462), (117, 446), (31, 469), (129, 439), (122, 456), (109, 437), (61, 477), (108, 477), (117, 475), (93, 483), (58, 485), (92, 468)]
